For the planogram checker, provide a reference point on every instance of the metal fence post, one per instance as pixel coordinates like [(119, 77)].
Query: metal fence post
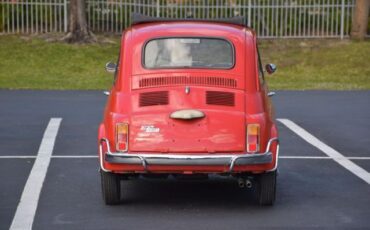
[(249, 12), (65, 16), (158, 8), (342, 21), (271, 18)]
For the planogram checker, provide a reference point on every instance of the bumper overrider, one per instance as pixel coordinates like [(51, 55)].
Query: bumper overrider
[(146, 159)]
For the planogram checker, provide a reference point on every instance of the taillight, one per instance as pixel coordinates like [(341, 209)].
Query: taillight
[(122, 137), (253, 138)]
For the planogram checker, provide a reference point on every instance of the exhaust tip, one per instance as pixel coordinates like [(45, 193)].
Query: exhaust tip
[(245, 183), (241, 183), (248, 183)]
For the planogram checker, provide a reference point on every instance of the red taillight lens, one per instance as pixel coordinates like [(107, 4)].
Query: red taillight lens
[(253, 138), (122, 137)]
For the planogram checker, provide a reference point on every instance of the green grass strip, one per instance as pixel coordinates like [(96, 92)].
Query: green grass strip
[(34, 63)]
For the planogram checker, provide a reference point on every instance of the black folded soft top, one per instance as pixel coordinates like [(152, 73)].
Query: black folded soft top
[(141, 19)]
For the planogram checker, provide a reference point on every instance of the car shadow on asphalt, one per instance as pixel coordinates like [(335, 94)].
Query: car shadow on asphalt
[(213, 193)]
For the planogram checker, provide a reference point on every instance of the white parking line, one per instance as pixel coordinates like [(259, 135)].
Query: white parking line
[(95, 156), (304, 157), (332, 153), (17, 157), (26, 210), (358, 158), (75, 156)]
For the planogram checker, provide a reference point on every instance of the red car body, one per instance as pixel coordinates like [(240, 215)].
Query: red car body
[(188, 120)]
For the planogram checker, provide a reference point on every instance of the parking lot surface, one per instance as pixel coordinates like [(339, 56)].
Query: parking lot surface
[(316, 188)]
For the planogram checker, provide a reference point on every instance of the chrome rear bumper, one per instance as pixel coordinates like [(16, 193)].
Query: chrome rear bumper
[(146, 159)]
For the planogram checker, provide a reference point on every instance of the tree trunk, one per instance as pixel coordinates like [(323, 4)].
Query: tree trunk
[(360, 19), (78, 31)]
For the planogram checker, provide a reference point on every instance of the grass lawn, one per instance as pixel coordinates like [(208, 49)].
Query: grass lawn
[(318, 64), (34, 63)]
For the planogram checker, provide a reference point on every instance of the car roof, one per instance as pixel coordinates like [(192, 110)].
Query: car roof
[(142, 19)]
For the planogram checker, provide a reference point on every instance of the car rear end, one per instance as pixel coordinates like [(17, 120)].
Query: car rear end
[(188, 103)]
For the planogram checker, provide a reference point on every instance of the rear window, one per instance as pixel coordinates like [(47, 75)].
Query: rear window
[(188, 53)]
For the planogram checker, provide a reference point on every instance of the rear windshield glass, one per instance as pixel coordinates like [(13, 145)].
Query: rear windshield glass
[(188, 53)]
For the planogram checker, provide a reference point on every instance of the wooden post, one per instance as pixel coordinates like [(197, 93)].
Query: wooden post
[(360, 19)]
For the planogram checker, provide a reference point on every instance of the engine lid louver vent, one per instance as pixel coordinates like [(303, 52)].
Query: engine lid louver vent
[(220, 98), (153, 98), (184, 80)]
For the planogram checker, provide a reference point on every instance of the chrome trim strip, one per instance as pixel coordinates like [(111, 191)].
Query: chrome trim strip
[(143, 157), (234, 159), (101, 157), (277, 158)]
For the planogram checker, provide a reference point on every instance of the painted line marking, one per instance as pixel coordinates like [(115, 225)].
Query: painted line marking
[(26, 210), (304, 157), (332, 153), (358, 158), (71, 156), (17, 157), (55, 156), (93, 156)]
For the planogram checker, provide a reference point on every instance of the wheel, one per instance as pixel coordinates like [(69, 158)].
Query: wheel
[(266, 188), (111, 188)]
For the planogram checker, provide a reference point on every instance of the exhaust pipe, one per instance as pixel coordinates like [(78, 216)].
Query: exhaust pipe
[(248, 183), (241, 183), (245, 183)]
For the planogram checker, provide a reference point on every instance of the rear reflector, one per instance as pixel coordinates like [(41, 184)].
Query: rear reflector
[(122, 137), (253, 138)]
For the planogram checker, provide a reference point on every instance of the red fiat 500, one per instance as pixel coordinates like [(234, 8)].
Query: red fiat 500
[(189, 97)]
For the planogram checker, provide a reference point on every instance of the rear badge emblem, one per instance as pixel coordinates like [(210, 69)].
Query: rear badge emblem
[(149, 129), (187, 89)]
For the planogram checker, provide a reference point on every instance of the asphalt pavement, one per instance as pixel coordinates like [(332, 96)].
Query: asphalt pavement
[(314, 190)]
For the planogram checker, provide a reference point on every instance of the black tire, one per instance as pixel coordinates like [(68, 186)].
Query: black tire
[(266, 188), (111, 188)]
